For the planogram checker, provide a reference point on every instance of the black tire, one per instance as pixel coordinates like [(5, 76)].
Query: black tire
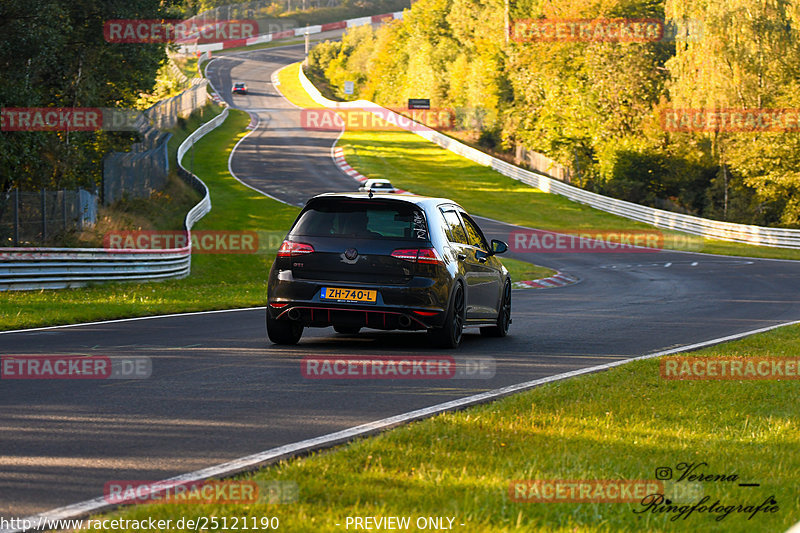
[(347, 330), (503, 317), (283, 331), (450, 335)]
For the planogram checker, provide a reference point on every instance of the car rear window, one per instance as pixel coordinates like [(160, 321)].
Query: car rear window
[(362, 219)]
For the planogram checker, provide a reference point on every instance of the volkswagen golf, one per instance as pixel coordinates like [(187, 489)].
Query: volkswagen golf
[(381, 261)]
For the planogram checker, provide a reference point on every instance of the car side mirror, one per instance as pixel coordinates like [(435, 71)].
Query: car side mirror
[(498, 247)]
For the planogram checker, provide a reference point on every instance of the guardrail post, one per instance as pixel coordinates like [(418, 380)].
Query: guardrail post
[(44, 215), (16, 217), (64, 208), (79, 209)]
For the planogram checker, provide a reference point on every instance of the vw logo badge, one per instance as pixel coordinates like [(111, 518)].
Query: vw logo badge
[(351, 253)]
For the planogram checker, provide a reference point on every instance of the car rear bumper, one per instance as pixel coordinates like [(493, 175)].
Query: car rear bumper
[(414, 306), (315, 315)]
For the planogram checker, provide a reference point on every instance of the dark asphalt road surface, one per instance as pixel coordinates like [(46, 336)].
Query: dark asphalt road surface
[(280, 157), (219, 390)]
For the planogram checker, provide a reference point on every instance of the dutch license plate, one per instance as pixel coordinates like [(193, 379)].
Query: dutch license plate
[(348, 295)]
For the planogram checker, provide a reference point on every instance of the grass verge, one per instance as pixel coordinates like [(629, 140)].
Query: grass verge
[(290, 87), (522, 271), (219, 280), (412, 163), (622, 424)]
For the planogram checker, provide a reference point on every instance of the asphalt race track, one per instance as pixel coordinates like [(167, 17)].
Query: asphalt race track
[(219, 390), (279, 158)]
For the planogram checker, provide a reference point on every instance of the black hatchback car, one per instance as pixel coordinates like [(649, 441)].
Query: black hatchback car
[(355, 260)]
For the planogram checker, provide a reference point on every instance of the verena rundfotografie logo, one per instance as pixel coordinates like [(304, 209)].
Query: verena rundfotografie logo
[(729, 368), (203, 241), (583, 490), (586, 241), (397, 367), (170, 31), (731, 120), (378, 119), (70, 119), (74, 367), (200, 492)]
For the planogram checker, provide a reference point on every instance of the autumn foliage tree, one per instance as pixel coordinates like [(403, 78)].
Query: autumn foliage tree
[(596, 105)]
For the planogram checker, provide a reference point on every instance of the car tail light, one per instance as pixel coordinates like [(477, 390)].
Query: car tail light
[(406, 254), (426, 313), (428, 256), (292, 249)]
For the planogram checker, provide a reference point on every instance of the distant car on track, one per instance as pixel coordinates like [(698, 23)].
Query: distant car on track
[(387, 262), (240, 87), (377, 185)]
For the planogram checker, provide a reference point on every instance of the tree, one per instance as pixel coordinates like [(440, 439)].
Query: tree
[(53, 54), (747, 59)]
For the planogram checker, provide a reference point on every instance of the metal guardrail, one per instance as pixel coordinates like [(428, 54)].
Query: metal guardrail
[(727, 231), (289, 33), (58, 268)]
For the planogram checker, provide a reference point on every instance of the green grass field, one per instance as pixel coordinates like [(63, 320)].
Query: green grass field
[(412, 163), (522, 271), (218, 281), (622, 424)]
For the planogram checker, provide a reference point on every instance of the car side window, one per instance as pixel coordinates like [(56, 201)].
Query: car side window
[(455, 231), (474, 233)]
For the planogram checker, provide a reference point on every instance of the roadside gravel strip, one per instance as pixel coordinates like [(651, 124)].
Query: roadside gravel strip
[(267, 457)]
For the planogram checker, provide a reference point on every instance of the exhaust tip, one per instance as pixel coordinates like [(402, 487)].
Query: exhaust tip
[(404, 321), (293, 314)]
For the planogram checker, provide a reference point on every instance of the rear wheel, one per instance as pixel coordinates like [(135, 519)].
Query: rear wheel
[(450, 335), (283, 331), (503, 317), (347, 330)]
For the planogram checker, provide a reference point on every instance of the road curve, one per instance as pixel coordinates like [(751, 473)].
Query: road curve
[(280, 158), (219, 390)]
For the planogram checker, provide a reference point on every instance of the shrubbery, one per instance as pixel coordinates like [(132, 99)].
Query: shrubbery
[(596, 106)]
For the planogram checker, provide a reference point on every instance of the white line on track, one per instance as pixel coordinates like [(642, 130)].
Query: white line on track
[(258, 460), (233, 151), (274, 80), (118, 320), (233, 174), (253, 462)]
